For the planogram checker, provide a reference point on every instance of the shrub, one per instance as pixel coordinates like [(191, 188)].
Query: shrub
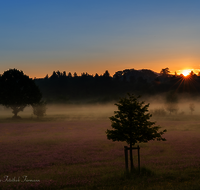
[(39, 109), (159, 112)]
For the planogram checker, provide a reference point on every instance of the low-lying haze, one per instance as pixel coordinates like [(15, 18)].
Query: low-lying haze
[(93, 111)]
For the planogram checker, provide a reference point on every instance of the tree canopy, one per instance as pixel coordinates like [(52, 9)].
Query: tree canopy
[(131, 122), (17, 90), (165, 72)]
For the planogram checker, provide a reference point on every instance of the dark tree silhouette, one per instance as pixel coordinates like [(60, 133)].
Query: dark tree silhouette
[(46, 77), (106, 74), (191, 73), (118, 75), (131, 124), (58, 73), (75, 74), (54, 75), (69, 75), (64, 74), (101, 86), (165, 72), (17, 91), (96, 75)]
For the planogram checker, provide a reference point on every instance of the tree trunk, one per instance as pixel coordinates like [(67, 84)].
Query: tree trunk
[(131, 155), (15, 111), (131, 158)]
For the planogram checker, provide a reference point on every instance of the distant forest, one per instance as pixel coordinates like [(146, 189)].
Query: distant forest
[(61, 87)]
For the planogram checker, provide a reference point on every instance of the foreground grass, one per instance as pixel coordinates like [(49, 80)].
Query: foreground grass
[(75, 154), (148, 180), (118, 180)]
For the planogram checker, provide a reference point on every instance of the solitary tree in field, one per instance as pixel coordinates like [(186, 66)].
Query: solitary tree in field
[(131, 124), (17, 91)]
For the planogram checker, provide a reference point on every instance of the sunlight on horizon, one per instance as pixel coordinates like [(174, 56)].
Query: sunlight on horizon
[(186, 72)]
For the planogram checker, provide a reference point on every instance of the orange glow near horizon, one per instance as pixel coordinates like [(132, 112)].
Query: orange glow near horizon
[(186, 72), (36, 71), (42, 74)]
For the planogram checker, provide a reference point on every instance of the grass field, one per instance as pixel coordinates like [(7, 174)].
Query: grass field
[(72, 152)]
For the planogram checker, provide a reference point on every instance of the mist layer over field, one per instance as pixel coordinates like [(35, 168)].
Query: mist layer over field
[(68, 149), (93, 111)]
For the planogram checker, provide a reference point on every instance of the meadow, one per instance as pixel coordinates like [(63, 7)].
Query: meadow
[(68, 149)]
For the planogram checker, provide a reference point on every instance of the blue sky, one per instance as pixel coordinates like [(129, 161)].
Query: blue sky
[(40, 36)]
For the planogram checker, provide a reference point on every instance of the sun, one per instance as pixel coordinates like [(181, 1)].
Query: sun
[(186, 72)]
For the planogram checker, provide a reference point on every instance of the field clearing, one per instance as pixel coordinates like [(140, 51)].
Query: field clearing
[(72, 152)]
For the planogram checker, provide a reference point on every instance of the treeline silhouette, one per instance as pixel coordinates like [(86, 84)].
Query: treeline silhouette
[(61, 87)]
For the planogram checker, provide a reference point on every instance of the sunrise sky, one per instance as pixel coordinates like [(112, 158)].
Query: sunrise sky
[(40, 36)]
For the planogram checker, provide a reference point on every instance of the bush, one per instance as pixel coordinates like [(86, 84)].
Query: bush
[(159, 112), (172, 102), (39, 109)]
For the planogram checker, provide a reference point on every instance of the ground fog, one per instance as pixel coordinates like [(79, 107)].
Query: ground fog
[(94, 111), (68, 149)]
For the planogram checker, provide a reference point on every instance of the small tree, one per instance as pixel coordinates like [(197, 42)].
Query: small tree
[(171, 107), (165, 72), (39, 109), (192, 107), (171, 102), (131, 124), (159, 112)]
